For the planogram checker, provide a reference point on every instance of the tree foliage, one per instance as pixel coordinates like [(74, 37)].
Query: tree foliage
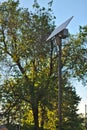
[(29, 90)]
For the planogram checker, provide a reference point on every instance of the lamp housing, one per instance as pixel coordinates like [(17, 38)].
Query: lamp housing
[(63, 34)]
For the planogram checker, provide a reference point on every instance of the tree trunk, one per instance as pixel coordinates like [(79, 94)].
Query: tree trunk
[(35, 114), (43, 112)]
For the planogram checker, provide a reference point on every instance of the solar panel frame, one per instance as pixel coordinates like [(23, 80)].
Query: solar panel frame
[(59, 29)]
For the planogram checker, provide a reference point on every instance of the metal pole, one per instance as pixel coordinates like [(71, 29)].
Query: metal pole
[(59, 43), (85, 116)]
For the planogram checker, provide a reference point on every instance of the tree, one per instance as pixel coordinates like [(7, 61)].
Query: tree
[(76, 50), (71, 100), (31, 65), (22, 44)]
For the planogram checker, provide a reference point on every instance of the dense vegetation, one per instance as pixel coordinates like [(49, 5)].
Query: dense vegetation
[(29, 75)]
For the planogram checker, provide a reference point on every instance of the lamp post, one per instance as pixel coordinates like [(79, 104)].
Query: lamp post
[(60, 33), (59, 82)]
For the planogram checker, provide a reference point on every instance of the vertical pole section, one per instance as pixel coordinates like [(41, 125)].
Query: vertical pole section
[(59, 43), (85, 116)]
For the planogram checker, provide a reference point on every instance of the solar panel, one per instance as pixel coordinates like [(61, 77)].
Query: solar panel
[(59, 29)]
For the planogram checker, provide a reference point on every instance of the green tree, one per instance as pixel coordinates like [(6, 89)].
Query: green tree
[(71, 119), (76, 51), (23, 45), (31, 66)]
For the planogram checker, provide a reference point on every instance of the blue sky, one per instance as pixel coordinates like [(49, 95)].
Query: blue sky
[(64, 9)]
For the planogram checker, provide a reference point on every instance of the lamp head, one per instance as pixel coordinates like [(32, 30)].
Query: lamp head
[(63, 34), (61, 30)]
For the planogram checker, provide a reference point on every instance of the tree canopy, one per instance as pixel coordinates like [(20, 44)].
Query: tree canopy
[(29, 87)]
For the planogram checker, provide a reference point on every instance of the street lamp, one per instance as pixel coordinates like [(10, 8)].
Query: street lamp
[(58, 34)]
